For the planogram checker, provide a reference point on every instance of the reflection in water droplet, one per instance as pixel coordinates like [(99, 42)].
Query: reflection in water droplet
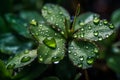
[(75, 54), (90, 60), (80, 65), (11, 66), (33, 22), (82, 23), (62, 32), (89, 27), (95, 33), (107, 35), (82, 35), (25, 59), (40, 59), (50, 42), (81, 58), (56, 62), (82, 29), (96, 20)]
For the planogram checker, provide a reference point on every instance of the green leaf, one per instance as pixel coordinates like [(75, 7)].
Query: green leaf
[(41, 31), (116, 48), (18, 24), (115, 18), (114, 63), (22, 59), (51, 78), (92, 28), (55, 15), (4, 73), (9, 44), (48, 55), (82, 53)]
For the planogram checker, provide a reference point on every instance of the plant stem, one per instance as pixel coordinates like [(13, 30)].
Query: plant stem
[(86, 75)]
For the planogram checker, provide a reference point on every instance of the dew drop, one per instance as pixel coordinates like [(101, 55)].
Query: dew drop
[(111, 26), (75, 36), (90, 60), (33, 22), (96, 20), (81, 58), (11, 66), (62, 32), (60, 13), (26, 51), (95, 50), (82, 29), (82, 35), (95, 33), (80, 65), (25, 59), (81, 23), (40, 59), (89, 27), (75, 54), (50, 42), (105, 22), (56, 62), (100, 38), (107, 35)]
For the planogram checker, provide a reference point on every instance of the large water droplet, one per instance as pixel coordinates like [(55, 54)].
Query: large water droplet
[(25, 59), (90, 60), (33, 22), (82, 23), (111, 26), (95, 33), (96, 20), (50, 42), (11, 66)]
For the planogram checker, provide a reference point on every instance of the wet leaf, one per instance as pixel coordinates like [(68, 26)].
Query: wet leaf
[(82, 53), (56, 15), (22, 59), (91, 27)]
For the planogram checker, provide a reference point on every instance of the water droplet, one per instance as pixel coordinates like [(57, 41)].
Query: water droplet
[(90, 60), (36, 34), (40, 59), (75, 54), (55, 59), (95, 33), (11, 66), (100, 38), (107, 35), (75, 36), (95, 50), (86, 47), (81, 58), (33, 22), (60, 13), (56, 62), (26, 51), (49, 11), (96, 20), (111, 26), (25, 59), (89, 27), (62, 32), (82, 29), (50, 42), (82, 35), (82, 23), (80, 65), (69, 51), (105, 22)]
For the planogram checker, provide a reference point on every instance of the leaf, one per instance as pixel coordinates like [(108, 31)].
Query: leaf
[(18, 24), (9, 44), (116, 48), (22, 59), (4, 73), (40, 31), (115, 18), (51, 78), (92, 28), (48, 55), (55, 15), (114, 63), (30, 15), (82, 53)]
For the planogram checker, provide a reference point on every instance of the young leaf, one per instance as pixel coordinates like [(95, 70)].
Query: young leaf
[(92, 28), (82, 53), (49, 54), (22, 59), (55, 15)]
